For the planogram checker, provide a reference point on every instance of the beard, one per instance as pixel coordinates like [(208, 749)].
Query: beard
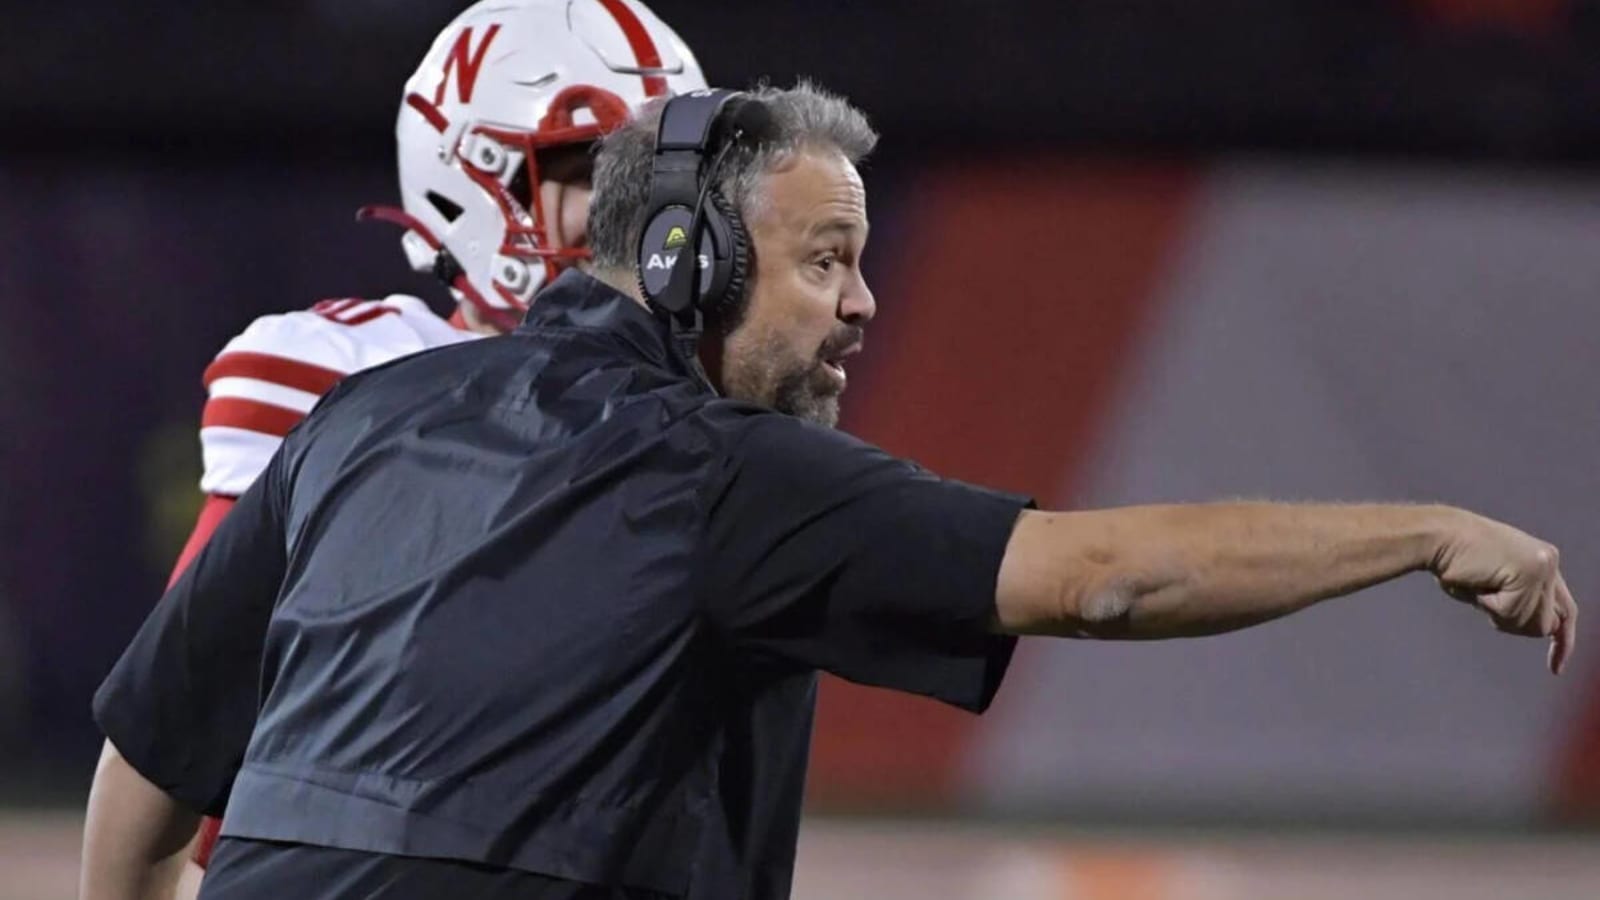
[(811, 394), (767, 370)]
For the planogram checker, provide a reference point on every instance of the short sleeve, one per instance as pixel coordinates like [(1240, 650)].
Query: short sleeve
[(181, 702), (259, 387), (822, 551)]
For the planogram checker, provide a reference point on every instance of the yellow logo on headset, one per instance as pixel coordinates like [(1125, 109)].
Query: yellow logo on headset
[(676, 237)]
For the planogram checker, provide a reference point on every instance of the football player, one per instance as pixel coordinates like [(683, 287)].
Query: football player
[(493, 133)]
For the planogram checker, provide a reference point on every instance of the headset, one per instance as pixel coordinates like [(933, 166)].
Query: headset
[(697, 132)]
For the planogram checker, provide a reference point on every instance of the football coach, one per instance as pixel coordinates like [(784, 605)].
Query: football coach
[(540, 616)]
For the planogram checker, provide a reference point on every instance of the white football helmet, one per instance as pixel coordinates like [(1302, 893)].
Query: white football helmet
[(503, 81)]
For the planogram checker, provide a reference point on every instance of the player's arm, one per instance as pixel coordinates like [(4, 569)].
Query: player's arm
[(211, 512), (1175, 571), (133, 835)]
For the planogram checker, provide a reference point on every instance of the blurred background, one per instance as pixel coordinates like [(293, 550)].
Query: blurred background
[(1124, 251)]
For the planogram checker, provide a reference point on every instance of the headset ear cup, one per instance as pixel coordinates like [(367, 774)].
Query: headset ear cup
[(728, 305)]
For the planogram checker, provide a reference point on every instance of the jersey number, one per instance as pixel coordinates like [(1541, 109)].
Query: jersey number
[(351, 312)]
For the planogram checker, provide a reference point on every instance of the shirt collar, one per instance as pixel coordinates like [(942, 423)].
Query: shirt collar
[(579, 300)]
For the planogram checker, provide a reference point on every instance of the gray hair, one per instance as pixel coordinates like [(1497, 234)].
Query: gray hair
[(804, 117)]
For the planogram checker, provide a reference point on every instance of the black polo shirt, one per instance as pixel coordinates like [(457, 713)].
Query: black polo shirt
[(540, 616)]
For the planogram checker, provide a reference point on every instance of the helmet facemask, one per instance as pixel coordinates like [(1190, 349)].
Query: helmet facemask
[(510, 166)]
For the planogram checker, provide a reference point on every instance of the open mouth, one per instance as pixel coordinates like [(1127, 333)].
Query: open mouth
[(834, 360)]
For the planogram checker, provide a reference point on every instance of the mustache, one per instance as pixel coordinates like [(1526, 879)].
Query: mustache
[(842, 338)]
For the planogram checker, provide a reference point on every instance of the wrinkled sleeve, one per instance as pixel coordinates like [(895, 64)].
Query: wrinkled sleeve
[(822, 551), (181, 702)]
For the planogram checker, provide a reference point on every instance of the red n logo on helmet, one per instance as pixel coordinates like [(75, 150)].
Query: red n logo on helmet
[(464, 62)]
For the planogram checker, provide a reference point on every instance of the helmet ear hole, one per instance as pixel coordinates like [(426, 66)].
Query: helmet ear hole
[(447, 208)]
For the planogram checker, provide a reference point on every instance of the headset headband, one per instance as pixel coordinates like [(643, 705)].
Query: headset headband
[(679, 179), (693, 137)]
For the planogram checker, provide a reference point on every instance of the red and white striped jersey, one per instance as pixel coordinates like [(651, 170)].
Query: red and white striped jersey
[(265, 380)]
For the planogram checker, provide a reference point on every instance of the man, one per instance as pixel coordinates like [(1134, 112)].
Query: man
[(494, 136), (551, 608)]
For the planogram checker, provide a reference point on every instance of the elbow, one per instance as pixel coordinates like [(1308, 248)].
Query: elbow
[(1089, 575), (1069, 607), (1107, 606), (1113, 604), (1101, 608), (1062, 577)]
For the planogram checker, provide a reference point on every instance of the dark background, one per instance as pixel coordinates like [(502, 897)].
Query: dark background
[(316, 81), (168, 171)]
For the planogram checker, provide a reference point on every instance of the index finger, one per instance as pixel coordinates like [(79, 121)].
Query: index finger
[(1566, 636)]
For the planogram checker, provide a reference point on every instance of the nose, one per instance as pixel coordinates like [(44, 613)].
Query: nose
[(857, 305)]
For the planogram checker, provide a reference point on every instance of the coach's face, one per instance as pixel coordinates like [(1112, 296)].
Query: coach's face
[(808, 301)]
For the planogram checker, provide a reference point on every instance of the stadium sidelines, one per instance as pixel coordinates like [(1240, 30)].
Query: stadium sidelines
[(891, 860)]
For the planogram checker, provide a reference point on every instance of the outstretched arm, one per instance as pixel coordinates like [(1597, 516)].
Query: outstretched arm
[(1184, 570)]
